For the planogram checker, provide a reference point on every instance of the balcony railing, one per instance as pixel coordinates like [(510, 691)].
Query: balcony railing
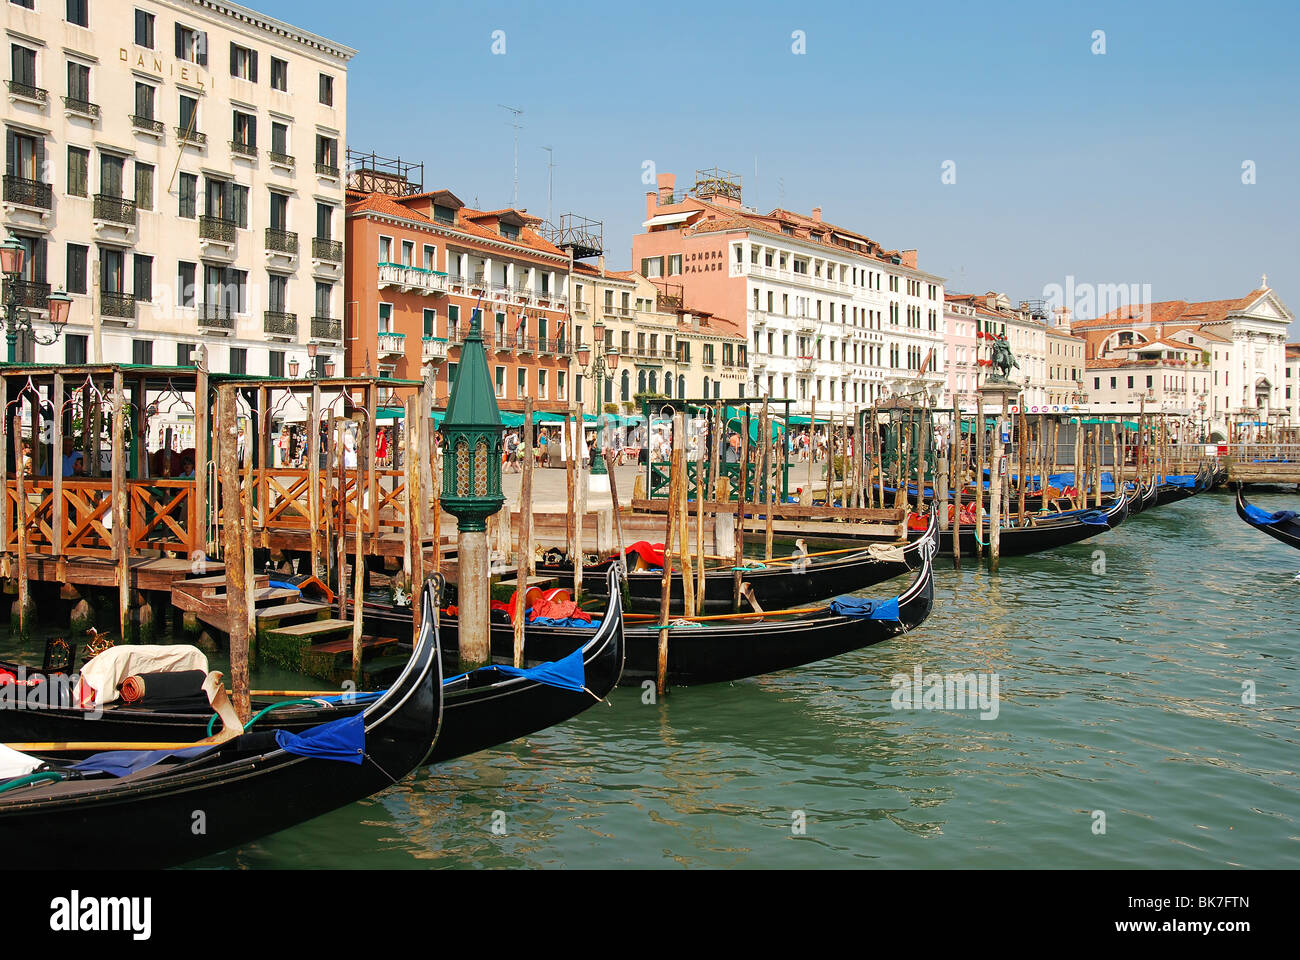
[(283, 159), (216, 315), (433, 348), (280, 324), (146, 123), (411, 278), (118, 305), (243, 149), (327, 170), (217, 228), (115, 209), (27, 90), (326, 328), (191, 136), (83, 107), (390, 343), (281, 241), (31, 293), (329, 250), (31, 193)]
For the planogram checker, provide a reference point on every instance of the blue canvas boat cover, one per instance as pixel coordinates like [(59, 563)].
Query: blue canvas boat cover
[(1264, 517), (862, 608), (1181, 481), (337, 740), (569, 673), (1095, 517), (119, 763), (565, 622)]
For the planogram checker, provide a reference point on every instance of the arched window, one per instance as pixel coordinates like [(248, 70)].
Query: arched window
[(609, 389), (668, 384), (640, 381), (706, 386), (627, 385), (654, 381), (681, 388)]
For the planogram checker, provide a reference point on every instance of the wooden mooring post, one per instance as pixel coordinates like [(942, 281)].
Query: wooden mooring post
[(524, 558), (233, 548)]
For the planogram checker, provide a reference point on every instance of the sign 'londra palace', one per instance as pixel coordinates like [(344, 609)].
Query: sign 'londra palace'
[(714, 258)]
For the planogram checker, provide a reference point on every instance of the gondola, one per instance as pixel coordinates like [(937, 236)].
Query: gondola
[(192, 804), (718, 650), (481, 709), (1042, 532), (775, 585), (1283, 525), (1174, 489)]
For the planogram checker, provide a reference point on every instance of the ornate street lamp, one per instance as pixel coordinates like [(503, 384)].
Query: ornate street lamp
[(293, 367), (471, 490), (18, 319), (606, 361)]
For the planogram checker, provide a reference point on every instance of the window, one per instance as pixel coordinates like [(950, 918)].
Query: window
[(238, 360), (189, 190), (75, 348), (1130, 383), (245, 133), (24, 65), (443, 214), (110, 175), (142, 352), (430, 257), (276, 368), (652, 266), (279, 74), (143, 288), (385, 249), (185, 354), (185, 284), (674, 264), (279, 138), (144, 29), (430, 322), (541, 385), (78, 178), (277, 293), (239, 205), (78, 13), (243, 63), (453, 317), (78, 82), (189, 114), (521, 383), (324, 221), (279, 211), (408, 253), (327, 90), (327, 152), (76, 279), (560, 385), (191, 45), (143, 186), (324, 300), (144, 101), (385, 318)]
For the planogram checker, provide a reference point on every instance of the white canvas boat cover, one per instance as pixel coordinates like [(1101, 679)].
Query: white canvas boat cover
[(15, 764)]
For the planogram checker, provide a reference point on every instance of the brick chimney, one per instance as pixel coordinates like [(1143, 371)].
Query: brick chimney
[(817, 214), (908, 257), (600, 264), (667, 184)]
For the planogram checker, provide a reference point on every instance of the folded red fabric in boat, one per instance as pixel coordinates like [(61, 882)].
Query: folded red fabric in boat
[(558, 610), (651, 553), (132, 688), (9, 677)]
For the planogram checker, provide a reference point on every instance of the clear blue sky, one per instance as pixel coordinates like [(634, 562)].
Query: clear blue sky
[(1117, 168)]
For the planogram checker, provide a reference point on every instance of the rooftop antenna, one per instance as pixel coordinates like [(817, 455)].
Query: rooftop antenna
[(514, 122), (550, 179)]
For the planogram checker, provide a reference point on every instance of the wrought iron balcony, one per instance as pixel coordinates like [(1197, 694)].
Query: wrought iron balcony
[(217, 228), (283, 159), (118, 305), (243, 149), (115, 209), (280, 324), (191, 136), (326, 328), (216, 315), (31, 193), (27, 91), (281, 241), (147, 123), (30, 293), (83, 107), (330, 250), (327, 170)]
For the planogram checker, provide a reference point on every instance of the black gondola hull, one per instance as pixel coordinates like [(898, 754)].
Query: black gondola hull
[(1287, 531)]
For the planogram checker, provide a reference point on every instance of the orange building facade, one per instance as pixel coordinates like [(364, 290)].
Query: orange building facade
[(418, 265)]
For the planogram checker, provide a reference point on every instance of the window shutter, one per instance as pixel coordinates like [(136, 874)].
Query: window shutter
[(233, 50), (9, 153), (40, 159), (180, 43), (201, 54), (252, 130), (252, 66)]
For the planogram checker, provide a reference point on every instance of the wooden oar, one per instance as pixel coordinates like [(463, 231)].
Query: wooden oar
[(730, 616)]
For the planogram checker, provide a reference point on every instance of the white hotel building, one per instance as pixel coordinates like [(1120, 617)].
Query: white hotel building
[(174, 166), (828, 314)]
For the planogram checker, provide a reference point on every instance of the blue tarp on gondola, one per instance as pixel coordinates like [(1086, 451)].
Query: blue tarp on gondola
[(861, 608), (337, 740), (567, 674), (1185, 480), (1266, 518), (119, 763)]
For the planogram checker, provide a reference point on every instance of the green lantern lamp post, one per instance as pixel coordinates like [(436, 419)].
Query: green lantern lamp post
[(471, 488)]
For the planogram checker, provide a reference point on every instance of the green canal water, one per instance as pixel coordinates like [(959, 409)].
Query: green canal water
[(1121, 694)]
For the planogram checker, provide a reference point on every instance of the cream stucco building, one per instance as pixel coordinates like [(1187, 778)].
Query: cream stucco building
[(176, 167)]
